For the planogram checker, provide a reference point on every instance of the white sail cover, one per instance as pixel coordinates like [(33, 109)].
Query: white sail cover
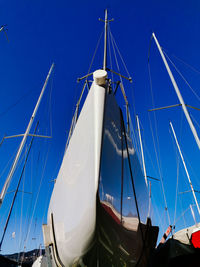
[(184, 235), (73, 202)]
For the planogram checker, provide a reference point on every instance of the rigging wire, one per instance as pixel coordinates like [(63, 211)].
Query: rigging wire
[(45, 114), (8, 163), (193, 91), (185, 63), (43, 162), (8, 208), (31, 200), (120, 56), (149, 155), (134, 137), (109, 49), (115, 56), (95, 51), (184, 79), (29, 206), (118, 68), (181, 200), (74, 113), (50, 105), (37, 196), (183, 214), (157, 153), (46, 118), (178, 168), (15, 104), (22, 205), (158, 215), (195, 120), (192, 170)]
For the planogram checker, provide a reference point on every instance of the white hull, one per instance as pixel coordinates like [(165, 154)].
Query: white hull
[(73, 202)]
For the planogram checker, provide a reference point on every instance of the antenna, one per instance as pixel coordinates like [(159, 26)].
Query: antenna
[(105, 40)]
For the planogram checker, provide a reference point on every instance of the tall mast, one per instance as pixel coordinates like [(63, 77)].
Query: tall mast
[(178, 93), (192, 189), (105, 40), (14, 165)]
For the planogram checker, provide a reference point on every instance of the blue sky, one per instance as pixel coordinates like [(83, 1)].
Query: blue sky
[(66, 32)]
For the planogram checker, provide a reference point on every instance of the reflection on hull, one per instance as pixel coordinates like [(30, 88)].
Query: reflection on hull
[(118, 246), (114, 244)]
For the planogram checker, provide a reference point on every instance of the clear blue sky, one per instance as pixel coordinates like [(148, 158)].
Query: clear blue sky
[(66, 32)]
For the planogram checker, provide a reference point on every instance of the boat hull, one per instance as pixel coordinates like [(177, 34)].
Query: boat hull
[(102, 191), (72, 211)]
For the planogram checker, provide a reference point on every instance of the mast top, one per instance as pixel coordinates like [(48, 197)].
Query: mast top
[(105, 38)]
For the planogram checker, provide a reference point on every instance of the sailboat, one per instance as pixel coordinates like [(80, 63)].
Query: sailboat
[(98, 212)]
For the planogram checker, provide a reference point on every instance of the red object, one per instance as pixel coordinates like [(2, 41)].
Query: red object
[(196, 239), (168, 231), (111, 213)]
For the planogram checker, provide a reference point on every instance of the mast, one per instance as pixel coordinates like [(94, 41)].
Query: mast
[(105, 40), (178, 93), (192, 189), (14, 165)]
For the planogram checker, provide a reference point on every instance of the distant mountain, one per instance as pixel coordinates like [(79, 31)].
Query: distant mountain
[(25, 258)]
